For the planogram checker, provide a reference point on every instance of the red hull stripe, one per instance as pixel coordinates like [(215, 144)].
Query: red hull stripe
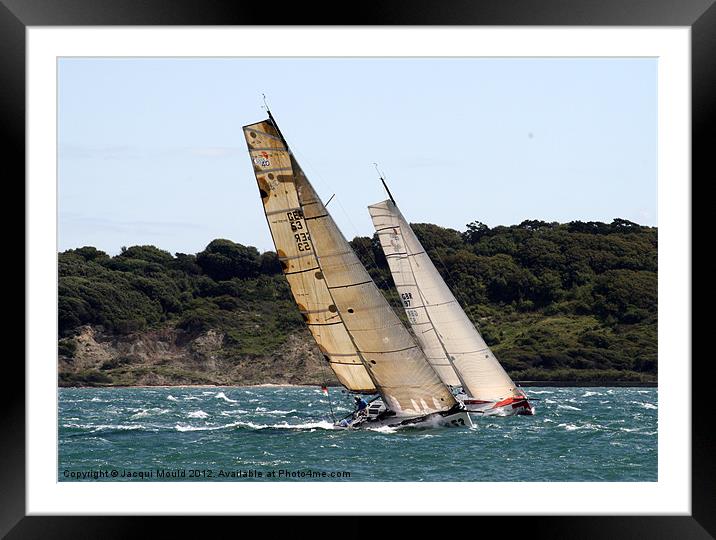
[(514, 401)]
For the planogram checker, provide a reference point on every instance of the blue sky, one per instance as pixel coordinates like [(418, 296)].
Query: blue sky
[(151, 150)]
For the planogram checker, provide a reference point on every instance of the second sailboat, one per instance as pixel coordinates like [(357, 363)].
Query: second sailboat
[(451, 342)]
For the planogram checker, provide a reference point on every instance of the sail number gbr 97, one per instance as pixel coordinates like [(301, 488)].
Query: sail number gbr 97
[(302, 239), (407, 298)]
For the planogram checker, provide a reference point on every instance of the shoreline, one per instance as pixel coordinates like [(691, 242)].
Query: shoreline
[(525, 384), (588, 384)]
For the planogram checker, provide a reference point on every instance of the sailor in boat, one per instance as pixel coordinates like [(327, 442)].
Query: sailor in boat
[(361, 407)]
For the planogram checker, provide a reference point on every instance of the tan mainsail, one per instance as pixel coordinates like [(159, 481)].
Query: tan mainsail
[(275, 177), (397, 365), (447, 335)]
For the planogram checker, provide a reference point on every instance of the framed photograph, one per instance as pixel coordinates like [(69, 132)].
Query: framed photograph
[(402, 265)]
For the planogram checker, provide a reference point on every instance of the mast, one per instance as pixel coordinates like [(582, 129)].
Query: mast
[(349, 299), (385, 186)]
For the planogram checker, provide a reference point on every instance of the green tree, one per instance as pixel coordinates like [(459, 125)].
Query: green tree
[(474, 232), (224, 259)]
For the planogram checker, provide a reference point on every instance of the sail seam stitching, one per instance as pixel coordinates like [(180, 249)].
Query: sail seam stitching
[(390, 352), (274, 170), (287, 258), (404, 255), (302, 271), (472, 352), (350, 285)]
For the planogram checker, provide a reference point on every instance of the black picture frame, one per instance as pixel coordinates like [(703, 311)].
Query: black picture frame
[(699, 15)]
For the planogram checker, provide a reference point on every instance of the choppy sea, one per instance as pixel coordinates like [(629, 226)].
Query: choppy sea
[(285, 434)]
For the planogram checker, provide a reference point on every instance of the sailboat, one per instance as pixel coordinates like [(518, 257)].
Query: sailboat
[(450, 341), (360, 336)]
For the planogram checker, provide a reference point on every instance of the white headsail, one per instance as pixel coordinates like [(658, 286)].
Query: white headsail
[(450, 340), (333, 288)]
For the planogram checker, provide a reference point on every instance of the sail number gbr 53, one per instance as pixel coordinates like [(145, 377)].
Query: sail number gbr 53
[(303, 239)]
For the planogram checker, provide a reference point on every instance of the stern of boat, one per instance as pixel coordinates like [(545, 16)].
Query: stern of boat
[(507, 407)]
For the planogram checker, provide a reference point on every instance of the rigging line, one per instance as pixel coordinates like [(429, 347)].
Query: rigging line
[(450, 359), (325, 381), (457, 294), (461, 300)]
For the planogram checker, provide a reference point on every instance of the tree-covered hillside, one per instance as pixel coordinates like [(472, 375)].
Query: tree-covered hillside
[(575, 301)]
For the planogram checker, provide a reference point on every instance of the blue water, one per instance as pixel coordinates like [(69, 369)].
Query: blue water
[(221, 433)]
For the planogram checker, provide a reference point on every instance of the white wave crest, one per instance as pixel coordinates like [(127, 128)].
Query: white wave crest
[(143, 413), (106, 427), (384, 429), (221, 395), (589, 394), (568, 407), (184, 427), (171, 398), (323, 424), (198, 414), (574, 427)]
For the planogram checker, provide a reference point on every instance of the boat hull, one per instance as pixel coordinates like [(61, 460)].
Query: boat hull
[(459, 418), (506, 407)]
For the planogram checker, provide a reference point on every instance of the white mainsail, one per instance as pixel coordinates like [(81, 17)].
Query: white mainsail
[(332, 286), (450, 340)]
